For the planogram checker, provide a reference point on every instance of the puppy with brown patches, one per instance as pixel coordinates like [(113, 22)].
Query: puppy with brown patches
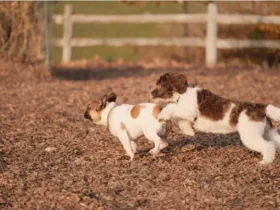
[(128, 122), (207, 112)]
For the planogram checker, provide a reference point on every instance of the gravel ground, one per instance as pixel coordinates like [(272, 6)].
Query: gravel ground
[(51, 158)]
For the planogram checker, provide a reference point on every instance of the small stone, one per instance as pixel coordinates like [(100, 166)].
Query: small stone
[(50, 149), (188, 148), (2, 201), (84, 205)]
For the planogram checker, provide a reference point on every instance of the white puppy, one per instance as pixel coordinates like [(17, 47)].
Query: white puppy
[(207, 112), (128, 122)]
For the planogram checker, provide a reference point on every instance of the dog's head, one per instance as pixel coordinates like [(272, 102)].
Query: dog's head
[(169, 87), (95, 108)]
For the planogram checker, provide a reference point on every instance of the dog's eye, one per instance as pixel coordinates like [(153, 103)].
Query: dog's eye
[(98, 108)]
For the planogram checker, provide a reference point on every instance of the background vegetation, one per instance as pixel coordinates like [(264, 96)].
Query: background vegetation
[(194, 55), (122, 30), (21, 31)]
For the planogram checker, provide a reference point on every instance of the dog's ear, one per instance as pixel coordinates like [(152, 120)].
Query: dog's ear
[(102, 103), (104, 100), (112, 97), (179, 82)]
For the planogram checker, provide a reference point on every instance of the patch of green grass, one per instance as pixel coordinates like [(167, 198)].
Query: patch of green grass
[(119, 30)]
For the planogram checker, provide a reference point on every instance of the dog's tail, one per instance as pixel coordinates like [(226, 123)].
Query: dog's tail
[(273, 112)]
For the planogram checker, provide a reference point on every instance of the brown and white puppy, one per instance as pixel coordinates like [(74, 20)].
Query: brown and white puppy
[(208, 112), (128, 122)]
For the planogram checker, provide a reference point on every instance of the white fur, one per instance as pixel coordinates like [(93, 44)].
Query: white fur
[(257, 136), (273, 112), (145, 124), (179, 110), (252, 136), (186, 127)]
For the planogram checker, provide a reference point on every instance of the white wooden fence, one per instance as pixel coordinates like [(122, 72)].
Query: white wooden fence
[(211, 42)]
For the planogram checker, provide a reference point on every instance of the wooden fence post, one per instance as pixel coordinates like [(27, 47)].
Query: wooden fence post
[(67, 33), (211, 37)]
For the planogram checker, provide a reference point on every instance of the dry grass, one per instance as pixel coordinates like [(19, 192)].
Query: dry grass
[(21, 31)]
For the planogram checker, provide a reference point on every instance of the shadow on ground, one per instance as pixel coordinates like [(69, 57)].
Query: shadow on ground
[(101, 72), (205, 140), (200, 141)]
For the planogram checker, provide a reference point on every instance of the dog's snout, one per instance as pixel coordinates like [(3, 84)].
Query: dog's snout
[(86, 115)]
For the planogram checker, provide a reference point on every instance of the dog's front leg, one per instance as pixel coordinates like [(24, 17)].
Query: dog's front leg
[(125, 140), (167, 112), (186, 127)]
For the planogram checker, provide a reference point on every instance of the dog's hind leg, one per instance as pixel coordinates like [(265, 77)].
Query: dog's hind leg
[(251, 133), (152, 136), (133, 146), (125, 140), (166, 128)]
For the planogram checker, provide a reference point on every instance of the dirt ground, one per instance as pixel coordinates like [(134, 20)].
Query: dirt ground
[(51, 158)]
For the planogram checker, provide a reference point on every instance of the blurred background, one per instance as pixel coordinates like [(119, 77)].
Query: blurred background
[(22, 31)]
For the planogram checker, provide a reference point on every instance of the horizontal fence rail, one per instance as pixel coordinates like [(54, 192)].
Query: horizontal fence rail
[(248, 19), (178, 42), (242, 44), (180, 18), (172, 18), (119, 42), (210, 42)]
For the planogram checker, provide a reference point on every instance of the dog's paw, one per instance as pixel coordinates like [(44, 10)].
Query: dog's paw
[(265, 162), (163, 144), (133, 147), (154, 152), (188, 132), (186, 127), (130, 155)]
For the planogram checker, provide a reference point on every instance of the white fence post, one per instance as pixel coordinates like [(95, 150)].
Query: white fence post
[(67, 33), (211, 37)]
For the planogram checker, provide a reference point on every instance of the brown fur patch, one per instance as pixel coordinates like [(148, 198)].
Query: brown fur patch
[(177, 81), (135, 111), (215, 107), (169, 83), (255, 112), (94, 105), (212, 106), (156, 110), (122, 126)]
